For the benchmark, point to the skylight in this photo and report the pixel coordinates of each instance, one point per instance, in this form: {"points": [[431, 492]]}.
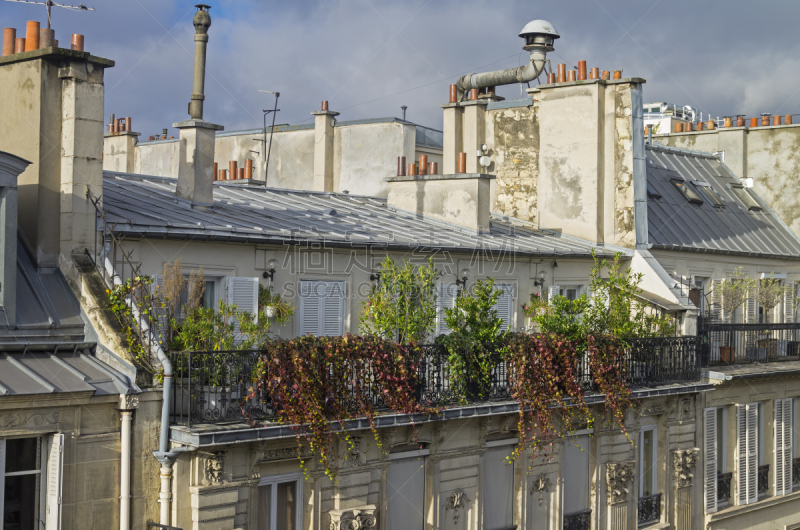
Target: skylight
{"points": [[711, 194], [687, 191], [746, 197], [652, 192]]}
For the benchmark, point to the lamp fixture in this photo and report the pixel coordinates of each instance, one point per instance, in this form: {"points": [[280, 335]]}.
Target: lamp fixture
{"points": [[555, 264], [540, 281], [270, 274], [375, 277], [462, 283]]}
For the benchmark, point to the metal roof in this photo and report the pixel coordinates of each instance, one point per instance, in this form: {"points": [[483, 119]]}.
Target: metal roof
{"points": [[142, 206], [674, 223], [53, 371]]}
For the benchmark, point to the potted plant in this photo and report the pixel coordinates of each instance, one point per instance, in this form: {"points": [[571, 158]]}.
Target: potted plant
{"points": [[274, 306], [733, 293]]}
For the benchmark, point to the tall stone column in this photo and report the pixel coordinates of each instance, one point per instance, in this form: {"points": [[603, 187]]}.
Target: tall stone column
{"points": [[684, 462], [452, 136], [474, 131], [621, 501], [323, 149]]}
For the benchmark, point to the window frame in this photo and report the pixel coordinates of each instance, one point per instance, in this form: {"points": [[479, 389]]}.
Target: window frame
{"points": [[274, 480], [708, 190], [654, 484], [747, 199], [686, 191], [40, 473]]}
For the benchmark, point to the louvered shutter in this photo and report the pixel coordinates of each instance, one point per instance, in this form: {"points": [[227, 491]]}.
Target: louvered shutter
{"points": [[783, 446], [505, 305], [2, 473], [243, 293], [310, 308], [553, 291], [751, 306], [711, 459], [446, 299], [788, 301], [741, 454], [716, 299], [333, 309], [747, 452], [55, 466]]}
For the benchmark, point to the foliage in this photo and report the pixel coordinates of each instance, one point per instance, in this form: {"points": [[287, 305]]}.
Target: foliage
{"points": [[282, 309], [402, 304], [224, 328], [770, 293], [544, 381], [474, 323], [560, 315], [132, 289], [319, 381], [606, 356], [735, 291]]}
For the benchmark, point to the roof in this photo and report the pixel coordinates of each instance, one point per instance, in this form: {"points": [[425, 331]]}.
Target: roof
{"points": [[674, 223], [47, 309], [142, 206], [59, 369]]}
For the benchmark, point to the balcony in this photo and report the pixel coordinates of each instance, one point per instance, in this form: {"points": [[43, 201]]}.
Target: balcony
{"points": [[724, 488], [214, 387], [578, 520], [649, 511], [722, 344]]}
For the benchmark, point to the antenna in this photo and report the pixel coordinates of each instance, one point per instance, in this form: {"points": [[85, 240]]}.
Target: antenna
{"points": [[50, 3], [274, 113]]}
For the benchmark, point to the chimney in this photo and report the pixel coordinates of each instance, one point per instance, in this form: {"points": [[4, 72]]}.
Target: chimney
{"points": [[197, 137], [64, 99], [119, 149], [323, 148], [10, 168]]}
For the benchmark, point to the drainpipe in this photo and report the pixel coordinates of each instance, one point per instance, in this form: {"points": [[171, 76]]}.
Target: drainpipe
{"points": [[125, 471]]}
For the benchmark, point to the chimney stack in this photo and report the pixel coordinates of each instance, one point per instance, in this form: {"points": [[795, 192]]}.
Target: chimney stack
{"points": [[323, 148], [197, 137]]}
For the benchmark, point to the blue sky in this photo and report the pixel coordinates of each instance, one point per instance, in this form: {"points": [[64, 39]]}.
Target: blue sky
{"points": [[369, 57]]}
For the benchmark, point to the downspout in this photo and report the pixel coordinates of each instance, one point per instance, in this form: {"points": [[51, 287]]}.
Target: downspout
{"points": [[125, 471]]}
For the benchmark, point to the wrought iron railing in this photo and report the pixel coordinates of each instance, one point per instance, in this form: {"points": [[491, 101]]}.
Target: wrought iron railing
{"points": [[796, 471], [724, 487], [763, 479], [747, 343], [578, 521], [649, 511], [212, 387]]}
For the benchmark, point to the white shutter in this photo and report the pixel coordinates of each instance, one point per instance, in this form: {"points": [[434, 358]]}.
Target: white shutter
{"points": [[2, 473], [310, 308], [751, 316], [788, 301], [505, 305], [333, 309], [243, 293], [711, 459], [716, 298], [752, 452], [783, 446], [55, 465], [553, 291], [446, 299], [741, 454]]}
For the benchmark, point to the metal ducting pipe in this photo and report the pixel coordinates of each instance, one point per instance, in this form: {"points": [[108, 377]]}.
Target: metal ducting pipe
{"points": [[539, 36]]}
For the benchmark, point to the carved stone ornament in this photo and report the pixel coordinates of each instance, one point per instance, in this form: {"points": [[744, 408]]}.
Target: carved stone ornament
{"points": [[618, 474], [215, 467], [32, 420], [455, 501], [128, 401], [361, 518], [685, 461], [541, 485], [353, 455]]}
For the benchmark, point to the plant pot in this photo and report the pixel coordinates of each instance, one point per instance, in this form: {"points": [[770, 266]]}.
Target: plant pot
{"points": [[269, 311], [727, 353]]}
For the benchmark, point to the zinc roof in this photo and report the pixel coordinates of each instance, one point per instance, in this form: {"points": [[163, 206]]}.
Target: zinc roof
{"points": [[143, 206], [675, 223]]}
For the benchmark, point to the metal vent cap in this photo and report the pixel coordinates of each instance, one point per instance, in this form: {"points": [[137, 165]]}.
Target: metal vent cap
{"points": [[539, 33]]}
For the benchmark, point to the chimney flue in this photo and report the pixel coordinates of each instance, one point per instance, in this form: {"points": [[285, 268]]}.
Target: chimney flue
{"points": [[32, 36], [77, 42], [9, 38], [324, 105], [401, 164], [202, 21]]}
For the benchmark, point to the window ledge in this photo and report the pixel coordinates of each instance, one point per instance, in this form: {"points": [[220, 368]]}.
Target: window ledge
{"points": [[655, 526], [732, 511]]}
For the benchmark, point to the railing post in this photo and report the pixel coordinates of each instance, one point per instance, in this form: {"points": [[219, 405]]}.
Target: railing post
{"points": [[189, 391]]}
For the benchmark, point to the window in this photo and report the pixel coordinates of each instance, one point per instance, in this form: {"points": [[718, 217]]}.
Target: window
{"points": [[505, 305], [576, 474], [30, 473], [570, 292], [208, 299], [687, 191], [711, 194], [647, 461], [746, 197], [783, 446], [715, 447], [406, 500], [446, 299], [747, 451], [322, 308], [652, 192], [280, 502], [498, 486]]}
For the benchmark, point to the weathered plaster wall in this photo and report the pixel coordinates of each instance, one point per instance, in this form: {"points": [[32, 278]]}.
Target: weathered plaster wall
{"points": [[513, 137], [618, 112]]}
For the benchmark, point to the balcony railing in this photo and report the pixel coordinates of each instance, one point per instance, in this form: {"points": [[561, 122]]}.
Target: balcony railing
{"points": [[796, 471], [649, 509], [748, 343], [578, 521], [763, 479], [212, 387], [724, 487]]}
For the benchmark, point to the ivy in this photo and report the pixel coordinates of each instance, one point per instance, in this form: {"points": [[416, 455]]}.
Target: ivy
{"points": [[318, 382]]}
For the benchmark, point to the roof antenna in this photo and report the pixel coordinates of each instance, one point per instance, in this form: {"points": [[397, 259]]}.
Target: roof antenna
{"points": [[50, 3], [274, 112]]}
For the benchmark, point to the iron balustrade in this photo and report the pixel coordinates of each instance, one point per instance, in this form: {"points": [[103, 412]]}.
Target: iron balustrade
{"points": [[578, 521], [649, 510], [763, 479], [724, 487], [217, 386], [747, 343], [796, 471]]}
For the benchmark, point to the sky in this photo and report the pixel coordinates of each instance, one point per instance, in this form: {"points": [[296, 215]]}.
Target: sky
{"points": [[370, 57]]}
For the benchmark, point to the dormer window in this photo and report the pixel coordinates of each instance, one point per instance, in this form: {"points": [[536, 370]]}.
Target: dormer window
{"points": [[746, 197], [711, 194], [686, 190]]}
